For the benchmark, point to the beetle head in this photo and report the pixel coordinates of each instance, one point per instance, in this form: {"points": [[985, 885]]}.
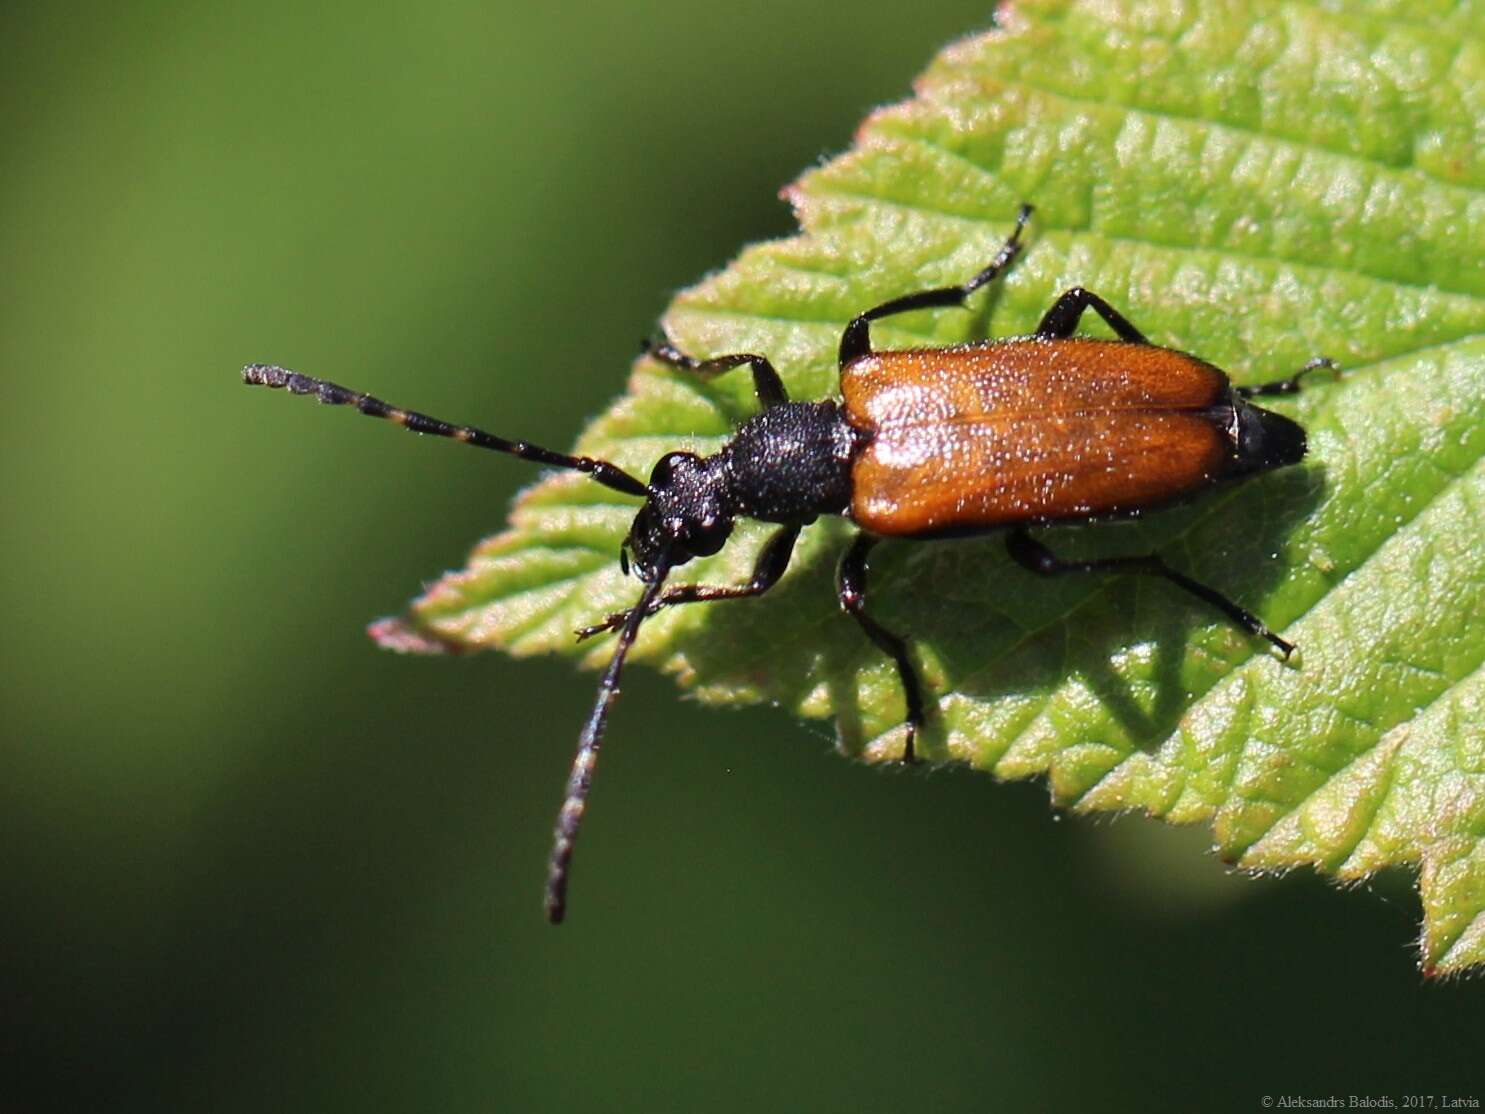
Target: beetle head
{"points": [[686, 515]]}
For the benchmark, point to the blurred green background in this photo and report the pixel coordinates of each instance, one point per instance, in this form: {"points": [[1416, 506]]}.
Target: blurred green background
{"points": [[250, 862]]}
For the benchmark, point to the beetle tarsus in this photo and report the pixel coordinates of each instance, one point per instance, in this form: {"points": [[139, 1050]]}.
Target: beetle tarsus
{"points": [[909, 746], [1031, 554], [613, 622], [855, 342], [766, 382], [1291, 385], [772, 561]]}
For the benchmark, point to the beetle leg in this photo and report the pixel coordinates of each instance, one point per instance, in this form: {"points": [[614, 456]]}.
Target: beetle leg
{"points": [[766, 381], [1033, 555], [1063, 317], [853, 600], [1291, 385], [855, 342], [772, 562]]}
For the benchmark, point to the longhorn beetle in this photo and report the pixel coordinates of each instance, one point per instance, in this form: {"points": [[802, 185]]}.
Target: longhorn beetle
{"points": [[925, 443]]}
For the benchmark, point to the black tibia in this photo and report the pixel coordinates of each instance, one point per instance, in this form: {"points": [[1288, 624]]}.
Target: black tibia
{"points": [[609, 475], [1291, 385], [766, 381], [1062, 319], [575, 798], [1033, 555], [772, 562], [853, 599], [855, 342]]}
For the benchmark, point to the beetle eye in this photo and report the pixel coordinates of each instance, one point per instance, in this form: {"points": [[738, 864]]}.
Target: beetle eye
{"points": [[664, 472]]}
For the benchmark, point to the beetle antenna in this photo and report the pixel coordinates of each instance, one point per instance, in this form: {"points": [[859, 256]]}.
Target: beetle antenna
{"points": [[575, 799], [332, 394]]}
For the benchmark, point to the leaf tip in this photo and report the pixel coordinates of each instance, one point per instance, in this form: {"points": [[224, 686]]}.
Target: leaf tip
{"points": [[395, 633]]}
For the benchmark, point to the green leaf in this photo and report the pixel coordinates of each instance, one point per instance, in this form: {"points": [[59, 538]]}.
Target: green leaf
{"points": [[1254, 181]]}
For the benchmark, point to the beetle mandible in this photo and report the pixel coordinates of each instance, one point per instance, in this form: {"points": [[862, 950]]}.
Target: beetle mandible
{"points": [[1001, 434]]}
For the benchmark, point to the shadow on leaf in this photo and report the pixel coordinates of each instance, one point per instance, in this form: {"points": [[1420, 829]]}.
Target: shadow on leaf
{"points": [[1103, 660]]}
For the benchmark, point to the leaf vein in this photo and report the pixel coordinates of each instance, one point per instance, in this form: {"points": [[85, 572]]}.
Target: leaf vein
{"points": [[1294, 141]]}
